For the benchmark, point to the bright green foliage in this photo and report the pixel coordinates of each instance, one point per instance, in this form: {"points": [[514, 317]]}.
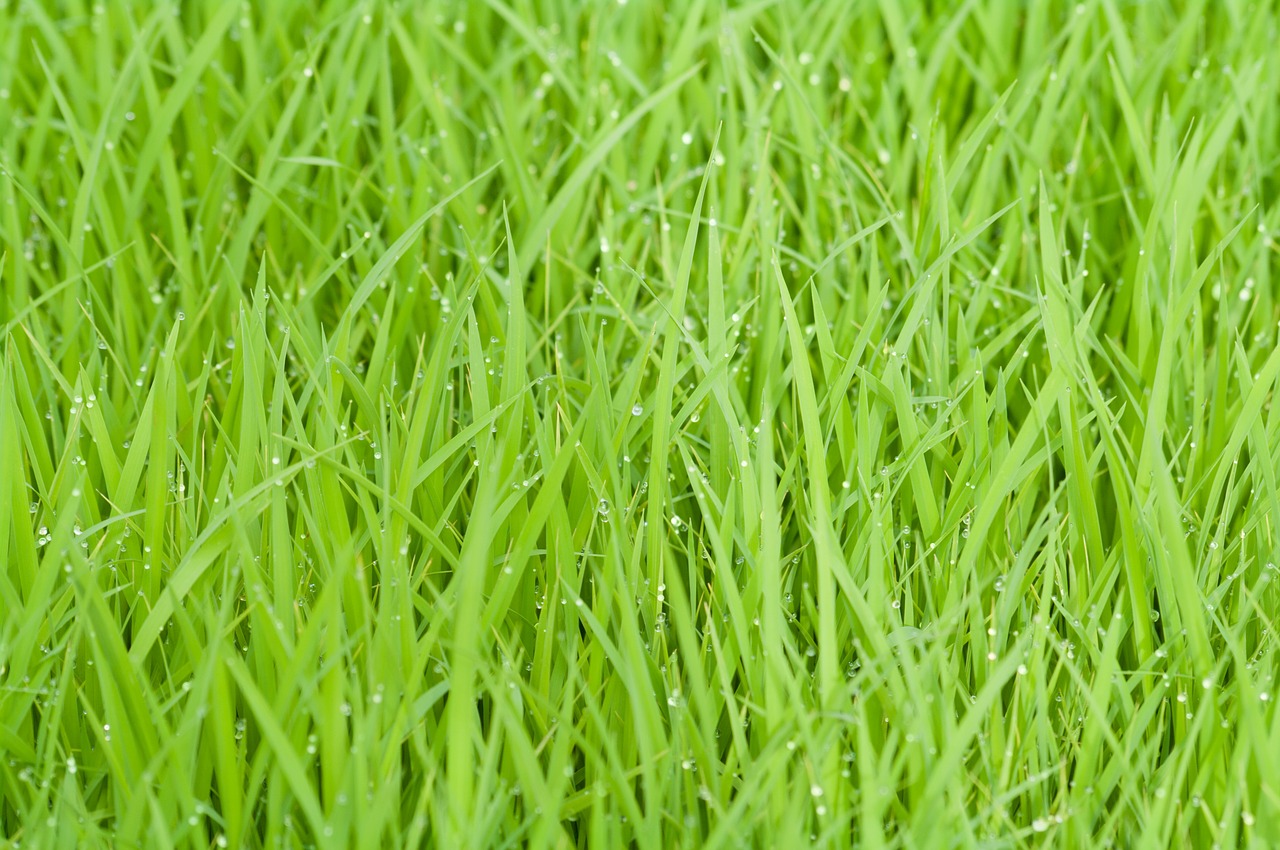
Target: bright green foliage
{"points": [[573, 424]]}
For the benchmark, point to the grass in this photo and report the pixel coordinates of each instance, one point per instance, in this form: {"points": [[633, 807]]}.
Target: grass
{"points": [[526, 423]]}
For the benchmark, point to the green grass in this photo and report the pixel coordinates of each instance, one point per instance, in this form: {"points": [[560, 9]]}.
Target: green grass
{"points": [[533, 423]]}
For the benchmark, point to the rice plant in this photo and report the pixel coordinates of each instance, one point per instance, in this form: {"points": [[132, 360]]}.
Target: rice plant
{"points": [[541, 423]]}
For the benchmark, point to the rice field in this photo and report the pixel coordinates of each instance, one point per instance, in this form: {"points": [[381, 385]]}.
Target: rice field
{"points": [[707, 424]]}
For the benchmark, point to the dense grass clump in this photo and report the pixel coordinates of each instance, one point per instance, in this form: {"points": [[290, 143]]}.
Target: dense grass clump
{"points": [[539, 423]]}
